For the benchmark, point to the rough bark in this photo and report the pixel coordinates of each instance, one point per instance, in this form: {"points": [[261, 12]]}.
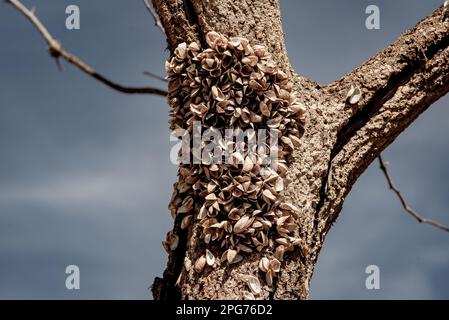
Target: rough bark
{"points": [[340, 139]]}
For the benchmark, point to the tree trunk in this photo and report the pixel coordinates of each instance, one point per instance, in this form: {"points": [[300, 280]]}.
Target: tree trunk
{"points": [[339, 142]]}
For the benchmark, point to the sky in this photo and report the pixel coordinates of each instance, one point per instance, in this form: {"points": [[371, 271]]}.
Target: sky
{"points": [[85, 176]]}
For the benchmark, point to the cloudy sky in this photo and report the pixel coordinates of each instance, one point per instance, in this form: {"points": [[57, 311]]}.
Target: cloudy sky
{"points": [[85, 176]]}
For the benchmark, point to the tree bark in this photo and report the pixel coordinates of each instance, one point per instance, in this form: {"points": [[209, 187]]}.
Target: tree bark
{"points": [[340, 139]]}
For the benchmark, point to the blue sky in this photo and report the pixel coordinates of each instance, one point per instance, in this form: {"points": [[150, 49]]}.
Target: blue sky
{"points": [[85, 176]]}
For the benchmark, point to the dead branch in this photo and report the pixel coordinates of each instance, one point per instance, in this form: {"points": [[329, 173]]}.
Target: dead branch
{"points": [[57, 51], [155, 76], [157, 22], [413, 213]]}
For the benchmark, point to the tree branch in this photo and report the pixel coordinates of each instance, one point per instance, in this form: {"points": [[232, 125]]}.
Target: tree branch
{"points": [[155, 76], [157, 22], [57, 51], [413, 213], [398, 84], [380, 77]]}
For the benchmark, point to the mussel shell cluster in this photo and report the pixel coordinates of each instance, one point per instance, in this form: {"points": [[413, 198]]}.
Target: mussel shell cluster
{"points": [[234, 84]]}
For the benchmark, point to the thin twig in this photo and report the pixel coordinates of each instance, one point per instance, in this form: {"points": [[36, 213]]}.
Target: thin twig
{"points": [[155, 76], [404, 203], [57, 51], [157, 22]]}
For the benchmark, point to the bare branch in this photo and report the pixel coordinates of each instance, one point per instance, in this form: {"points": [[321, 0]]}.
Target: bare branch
{"points": [[157, 22], [413, 213], [155, 76], [57, 51]]}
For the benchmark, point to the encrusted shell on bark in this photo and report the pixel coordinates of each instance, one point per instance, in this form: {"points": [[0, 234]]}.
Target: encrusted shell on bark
{"points": [[200, 264], [254, 285], [354, 95], [235, 84], [210, 258]]}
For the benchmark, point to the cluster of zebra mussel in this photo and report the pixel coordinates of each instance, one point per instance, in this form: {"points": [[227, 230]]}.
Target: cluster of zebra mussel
{"points": [[233, 84]]}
